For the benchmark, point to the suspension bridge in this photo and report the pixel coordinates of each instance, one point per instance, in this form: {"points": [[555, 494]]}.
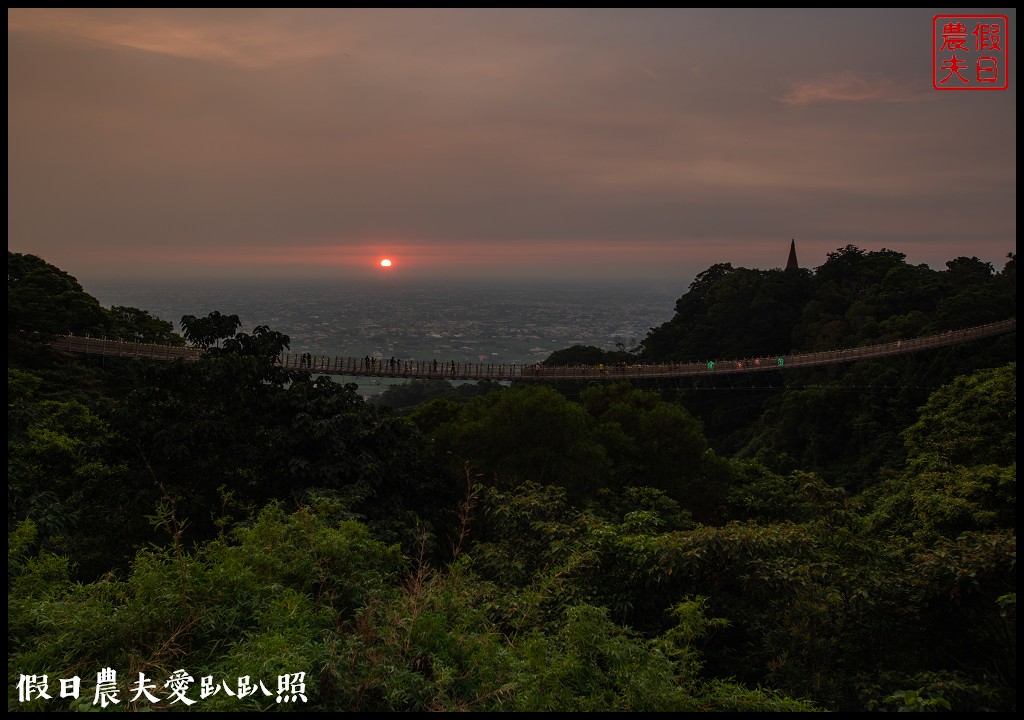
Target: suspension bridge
{"points": [[537, 372]]}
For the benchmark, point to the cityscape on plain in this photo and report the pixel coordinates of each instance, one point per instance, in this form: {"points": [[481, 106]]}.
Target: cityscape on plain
{"points": [[464, 321]]}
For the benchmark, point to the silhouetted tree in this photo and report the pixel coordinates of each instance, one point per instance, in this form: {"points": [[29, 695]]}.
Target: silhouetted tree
{"points": [[43, 298], [210, 330]]}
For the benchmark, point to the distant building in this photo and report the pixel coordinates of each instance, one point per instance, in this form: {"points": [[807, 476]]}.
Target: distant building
{"points": [[792, 264]]}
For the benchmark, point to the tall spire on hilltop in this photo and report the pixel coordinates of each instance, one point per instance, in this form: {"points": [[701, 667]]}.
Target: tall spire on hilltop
{"points": [[792, 264]]}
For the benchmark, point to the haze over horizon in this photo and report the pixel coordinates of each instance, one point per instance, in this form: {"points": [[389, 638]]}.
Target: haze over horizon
{"points": [[525, 144]]}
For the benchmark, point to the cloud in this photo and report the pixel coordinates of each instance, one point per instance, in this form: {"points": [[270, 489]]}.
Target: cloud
{"points": [[285, 138], [252, 39], [850, 87]]}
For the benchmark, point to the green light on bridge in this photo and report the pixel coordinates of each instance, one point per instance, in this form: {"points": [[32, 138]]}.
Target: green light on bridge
{"points": [[781, 362], [711, 364]]}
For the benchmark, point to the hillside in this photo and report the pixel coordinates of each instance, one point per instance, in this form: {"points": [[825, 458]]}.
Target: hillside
{"points": [[229, 535]]}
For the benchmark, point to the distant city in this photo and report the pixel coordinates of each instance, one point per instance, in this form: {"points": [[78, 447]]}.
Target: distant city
{"points": [[466, 321]]}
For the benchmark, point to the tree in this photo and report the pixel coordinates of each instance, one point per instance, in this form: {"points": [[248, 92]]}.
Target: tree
{"points": [[528, 433], [577, 355], [413, 394], [128, 323], [64, 474], [236, 422], [856, 271], [591, 355], [732, 312], [656, 444], [969, 421], [314, 594], [208, 331], [44, 299], [969, 271]]}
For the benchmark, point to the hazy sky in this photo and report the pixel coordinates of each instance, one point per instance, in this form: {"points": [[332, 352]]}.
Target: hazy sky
{"points": [[522, 143]]}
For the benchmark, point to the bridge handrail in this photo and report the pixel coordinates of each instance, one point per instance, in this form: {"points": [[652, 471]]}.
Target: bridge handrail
{"points": [[454, 370]]}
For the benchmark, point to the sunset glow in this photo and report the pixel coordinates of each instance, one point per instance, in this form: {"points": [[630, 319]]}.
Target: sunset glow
{"points": [[635, 144], [385, 263]]}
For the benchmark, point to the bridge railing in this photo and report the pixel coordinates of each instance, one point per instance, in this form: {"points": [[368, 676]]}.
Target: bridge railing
{"points": [[895, 347], [114, 347], [454, 370], [380, 367]]}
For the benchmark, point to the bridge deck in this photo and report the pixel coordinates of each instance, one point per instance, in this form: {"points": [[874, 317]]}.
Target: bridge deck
{"points": [[425, 369]]}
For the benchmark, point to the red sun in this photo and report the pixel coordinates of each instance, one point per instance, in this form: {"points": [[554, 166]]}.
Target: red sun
{"points": [[385, 263]]}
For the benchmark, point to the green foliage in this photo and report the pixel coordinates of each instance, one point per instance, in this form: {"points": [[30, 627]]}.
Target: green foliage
{"points": [[855, 272], [528, 433], [545, 555], [927, 504], [917, 701], [44, 299], [404, 399], [969, 421], [259, 603], [761, 495], [413, 394], [210, 330], [961, 471], [843, 421], [616, 438], [128, 323], [235, 420], [646, 505], [21, 386], [448, 657], [305, 593], [588, 355], [959, 595], [603, 557], [656, 444], [64, 475], [262, 344], [479, 637], [731, 312]]}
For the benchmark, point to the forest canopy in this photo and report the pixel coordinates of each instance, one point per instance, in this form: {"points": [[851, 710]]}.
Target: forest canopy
{"points": [[231, 535]]}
